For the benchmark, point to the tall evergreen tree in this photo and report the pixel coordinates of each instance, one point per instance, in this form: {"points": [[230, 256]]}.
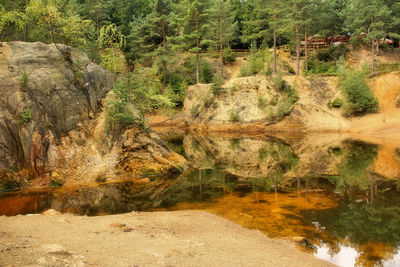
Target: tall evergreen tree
{"points": [[151, 34], [221, 27], [189, 20], [294, 16]]}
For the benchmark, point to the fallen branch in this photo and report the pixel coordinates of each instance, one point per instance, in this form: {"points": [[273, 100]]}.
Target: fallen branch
{"points": [[156, 124]]}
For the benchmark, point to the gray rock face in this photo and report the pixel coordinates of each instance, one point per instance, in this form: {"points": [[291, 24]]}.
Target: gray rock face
{"points": [[42, 97]]}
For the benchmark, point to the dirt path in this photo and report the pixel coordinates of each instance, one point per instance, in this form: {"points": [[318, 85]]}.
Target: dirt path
{"points": [[385, 124], [183, 238]]}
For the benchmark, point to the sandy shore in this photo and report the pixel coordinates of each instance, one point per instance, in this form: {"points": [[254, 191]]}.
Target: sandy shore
{"points": [[183, 238]]}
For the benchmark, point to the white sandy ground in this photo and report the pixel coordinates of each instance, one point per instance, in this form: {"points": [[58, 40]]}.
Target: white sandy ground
{"points": [[182, 238]]}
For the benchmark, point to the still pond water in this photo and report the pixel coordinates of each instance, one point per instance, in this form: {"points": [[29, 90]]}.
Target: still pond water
{"points": [[342, 196]]}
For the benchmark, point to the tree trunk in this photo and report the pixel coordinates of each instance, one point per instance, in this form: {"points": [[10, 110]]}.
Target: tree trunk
{"points": [[297, 49], [200, 185], [274, 40], [221, 48], [305, 52], [377, 47], [197, 44], [373, 56], [164, 62]]}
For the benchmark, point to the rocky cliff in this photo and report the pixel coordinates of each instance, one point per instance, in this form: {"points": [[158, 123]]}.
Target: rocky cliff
{"points": [[51, 120], [260, 104]]}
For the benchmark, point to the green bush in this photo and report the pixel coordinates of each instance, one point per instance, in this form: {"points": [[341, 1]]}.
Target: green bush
{"points": [[336, 103], [133, 96], [234, 115], [233, 89], [317, 66], [228, 56], [262, 102], [358, 94], [256, 63], [56, 182], [216, 88], [273, 101], [284, 108], [291, 94], [24, 79], [206, 74], [244, 71], [26, 116], [384, 47], [278, 83]]}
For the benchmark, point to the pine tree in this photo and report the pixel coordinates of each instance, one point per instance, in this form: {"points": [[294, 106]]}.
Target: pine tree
{"points": [[151, 33], [294, 16], [221, 27], [189, 20]]}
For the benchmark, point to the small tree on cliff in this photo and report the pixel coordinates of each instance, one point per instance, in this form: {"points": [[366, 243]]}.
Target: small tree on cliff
{"points": [[60, 27], [10, 21]]}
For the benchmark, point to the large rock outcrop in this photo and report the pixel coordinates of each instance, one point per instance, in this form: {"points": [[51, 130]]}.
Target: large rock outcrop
{"points": [[52, 125], [42, 94]]}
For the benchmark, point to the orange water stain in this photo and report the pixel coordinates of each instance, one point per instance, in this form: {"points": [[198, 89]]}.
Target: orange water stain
{"points": [[277, 215]]}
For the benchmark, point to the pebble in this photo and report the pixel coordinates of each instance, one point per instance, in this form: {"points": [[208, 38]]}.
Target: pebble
{"points": [[51, 212], [55, 249]]}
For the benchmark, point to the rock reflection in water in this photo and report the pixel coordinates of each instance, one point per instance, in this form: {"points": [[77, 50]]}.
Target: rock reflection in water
{"points": [[341, 195], [98, 199]]}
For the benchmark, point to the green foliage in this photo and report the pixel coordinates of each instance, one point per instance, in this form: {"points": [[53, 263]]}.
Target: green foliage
{"points": [[112, 61], [206, 73], [112, 41], [110, 37], [56, 182], [234, 115], [279, 156], [358, 94], [262, 103], [387, 67], [228, 56], [282, 86], [316, 66], [10, 21], [284, 108], [256, 63], [336, 103], [26, 116], [216, 89], [233, 89], [355, 166], [177, 95], [235, 144], [135, 94], [278, 83], [59, 26], [24, 79]]}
